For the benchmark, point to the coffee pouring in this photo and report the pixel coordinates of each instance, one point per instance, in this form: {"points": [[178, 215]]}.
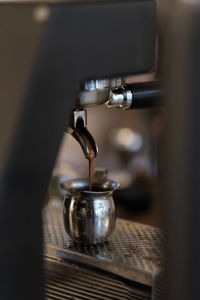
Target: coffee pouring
{"points": [[89, 215]]}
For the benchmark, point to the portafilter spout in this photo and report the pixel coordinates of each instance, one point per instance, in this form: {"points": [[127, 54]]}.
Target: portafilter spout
{"points": [[78, 129]]}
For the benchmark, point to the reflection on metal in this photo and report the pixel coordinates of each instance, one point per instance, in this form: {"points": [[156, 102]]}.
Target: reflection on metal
{"points": [[96, 92], [137, 95], [89, 216], [121, 98], [79, 114], [134, 251]]}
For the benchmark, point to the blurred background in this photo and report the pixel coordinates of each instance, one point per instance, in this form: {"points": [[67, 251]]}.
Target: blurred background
{"points": [[39, 68]]}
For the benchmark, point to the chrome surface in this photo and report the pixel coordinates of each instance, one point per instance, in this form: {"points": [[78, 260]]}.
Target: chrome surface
{"points": [[101, 84], [115, 83], [78, 129], [121, 98], [89, 216], [138, 95], [128, 100], [80, 113], [116, 99], [134, 251], [96, 92]]}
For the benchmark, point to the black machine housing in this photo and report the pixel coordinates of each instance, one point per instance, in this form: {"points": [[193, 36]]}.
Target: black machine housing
{"points": [[43, 61]]}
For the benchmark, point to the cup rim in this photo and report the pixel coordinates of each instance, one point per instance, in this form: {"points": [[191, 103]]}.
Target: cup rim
{"points": [[81, 185]]}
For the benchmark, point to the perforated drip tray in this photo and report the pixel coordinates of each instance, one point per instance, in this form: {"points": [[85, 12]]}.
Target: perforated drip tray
{"points": [[133, 252]]}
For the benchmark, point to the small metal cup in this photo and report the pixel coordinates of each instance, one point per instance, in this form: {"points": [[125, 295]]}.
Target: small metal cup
{"points": [[89, 216]]}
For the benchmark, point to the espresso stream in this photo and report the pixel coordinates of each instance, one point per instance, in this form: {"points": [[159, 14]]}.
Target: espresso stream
{"points": [[90, 156], [90, 173], [89, 145]]}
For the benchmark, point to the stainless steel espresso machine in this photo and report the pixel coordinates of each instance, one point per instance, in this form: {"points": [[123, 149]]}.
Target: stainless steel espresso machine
{"points": [[57, 59]]}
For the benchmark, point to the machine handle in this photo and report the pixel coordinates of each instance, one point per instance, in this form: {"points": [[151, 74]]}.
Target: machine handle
{"points": [[138, 95], [146, 95]]}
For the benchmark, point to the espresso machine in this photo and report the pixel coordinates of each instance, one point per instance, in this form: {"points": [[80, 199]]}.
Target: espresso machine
{"points": [[57, 59]]}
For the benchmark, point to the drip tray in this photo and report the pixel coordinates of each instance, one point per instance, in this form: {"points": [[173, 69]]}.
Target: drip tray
{"points": [[134, 250], [64, 281]]}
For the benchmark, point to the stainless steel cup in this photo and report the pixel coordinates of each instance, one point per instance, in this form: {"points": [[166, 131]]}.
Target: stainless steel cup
{"points": [[89, 216]]}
